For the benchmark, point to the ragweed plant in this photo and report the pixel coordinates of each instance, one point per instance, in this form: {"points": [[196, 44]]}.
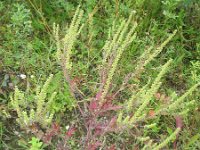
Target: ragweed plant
{"points": [[41, 113], [114, 47], [132, 114], [65, 45], [132, 111]]}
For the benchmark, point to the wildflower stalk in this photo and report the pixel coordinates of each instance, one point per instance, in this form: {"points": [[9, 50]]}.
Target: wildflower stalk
{"points": [[40, 113], [167, 140], [42, 95], [180, 99], [120, 41], [149, 94], [65, 46]]}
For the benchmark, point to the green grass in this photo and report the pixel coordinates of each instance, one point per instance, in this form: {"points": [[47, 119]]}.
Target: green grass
{"points": [[27, 46]]}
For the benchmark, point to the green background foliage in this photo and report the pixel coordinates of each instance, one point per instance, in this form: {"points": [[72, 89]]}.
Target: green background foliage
{"points": [[28, 47]]}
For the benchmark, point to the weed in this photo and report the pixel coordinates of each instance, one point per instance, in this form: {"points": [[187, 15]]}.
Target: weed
{"points": [[113, 97]]}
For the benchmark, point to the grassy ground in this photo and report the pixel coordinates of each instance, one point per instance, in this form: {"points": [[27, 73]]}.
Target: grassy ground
{"points": [[27, 47]]}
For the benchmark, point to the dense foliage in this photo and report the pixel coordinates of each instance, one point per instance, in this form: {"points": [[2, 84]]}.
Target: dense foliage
{"points": [[99, 74]]}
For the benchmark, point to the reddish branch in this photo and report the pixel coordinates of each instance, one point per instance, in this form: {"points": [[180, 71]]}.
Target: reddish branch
{"points": [[179, 124]]}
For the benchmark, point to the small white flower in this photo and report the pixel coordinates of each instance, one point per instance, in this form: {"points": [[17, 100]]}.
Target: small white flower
{"points": [[22, 76], [32, 76], [67, 127]]}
